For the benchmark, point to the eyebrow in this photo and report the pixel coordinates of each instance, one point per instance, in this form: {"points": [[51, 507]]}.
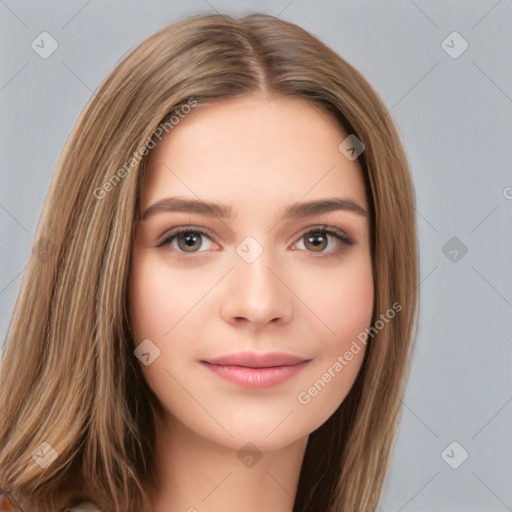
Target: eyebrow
{"points": [[296, 210]]}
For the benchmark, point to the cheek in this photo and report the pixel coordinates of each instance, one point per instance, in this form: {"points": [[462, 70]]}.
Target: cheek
{"points": [[160, 297], [159, 301], [344, 302]]}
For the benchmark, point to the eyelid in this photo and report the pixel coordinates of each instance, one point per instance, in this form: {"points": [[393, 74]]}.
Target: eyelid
{"points": [[339, 234], [332, 230], [176, 230]]}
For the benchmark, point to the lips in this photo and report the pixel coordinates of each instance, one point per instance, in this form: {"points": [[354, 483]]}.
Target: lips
{"points": [[257, 360], [257, 370]]}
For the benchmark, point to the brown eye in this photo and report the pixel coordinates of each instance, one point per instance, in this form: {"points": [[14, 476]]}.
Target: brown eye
{"points": [[189, 241], [316, 241], [325, 241]]}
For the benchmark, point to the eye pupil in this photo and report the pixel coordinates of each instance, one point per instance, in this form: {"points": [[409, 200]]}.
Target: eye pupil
{"points": [[318, 240], [190, 240]]}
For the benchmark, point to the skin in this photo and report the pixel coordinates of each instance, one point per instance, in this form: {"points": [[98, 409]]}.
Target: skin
{"points": [[257, 154]]}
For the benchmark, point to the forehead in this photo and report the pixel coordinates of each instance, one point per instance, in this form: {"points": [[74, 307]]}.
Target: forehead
{"points": [[253, 152]]}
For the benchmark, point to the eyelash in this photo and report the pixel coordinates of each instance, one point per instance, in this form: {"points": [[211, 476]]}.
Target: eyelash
{"points": [[321, 229]]}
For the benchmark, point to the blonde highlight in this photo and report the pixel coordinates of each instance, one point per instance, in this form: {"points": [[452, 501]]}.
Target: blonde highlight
{"points": [[68, 375]]}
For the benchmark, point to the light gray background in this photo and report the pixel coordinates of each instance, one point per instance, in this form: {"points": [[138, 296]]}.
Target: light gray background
{"points": [[455, 116]]}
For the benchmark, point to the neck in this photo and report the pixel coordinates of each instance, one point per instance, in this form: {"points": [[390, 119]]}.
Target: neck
{"points": [[199, 475]]}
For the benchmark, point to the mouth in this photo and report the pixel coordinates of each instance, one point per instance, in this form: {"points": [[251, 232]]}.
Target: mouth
{"points": [[257, 370]]}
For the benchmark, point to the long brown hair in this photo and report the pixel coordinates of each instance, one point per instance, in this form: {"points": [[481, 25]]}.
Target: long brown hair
{"points": [[69, 377]]}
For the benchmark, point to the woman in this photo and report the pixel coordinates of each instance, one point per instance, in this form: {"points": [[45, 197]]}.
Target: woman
{"points": [[219, 308]]}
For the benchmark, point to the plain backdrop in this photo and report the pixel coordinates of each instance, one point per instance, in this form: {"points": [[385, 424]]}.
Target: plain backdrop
{"points": [[443, 69]]}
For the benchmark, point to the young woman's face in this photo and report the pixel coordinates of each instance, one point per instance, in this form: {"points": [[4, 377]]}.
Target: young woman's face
{"points": [[250, 300]]}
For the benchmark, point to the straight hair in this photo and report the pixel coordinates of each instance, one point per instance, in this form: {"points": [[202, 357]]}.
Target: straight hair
{"points": [[69, 377]]}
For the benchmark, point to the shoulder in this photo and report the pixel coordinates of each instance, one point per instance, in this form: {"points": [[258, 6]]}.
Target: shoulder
{"points": [[8, 503]]}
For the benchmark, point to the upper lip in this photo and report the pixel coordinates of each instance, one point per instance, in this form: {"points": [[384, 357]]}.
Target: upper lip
{"points": [[257, 359]]}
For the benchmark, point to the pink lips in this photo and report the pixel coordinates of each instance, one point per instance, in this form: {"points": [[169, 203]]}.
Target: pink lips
{"points": [[256, 370]]}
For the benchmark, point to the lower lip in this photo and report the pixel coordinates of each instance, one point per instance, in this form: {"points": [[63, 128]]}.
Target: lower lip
{"points": [[256, 378]]}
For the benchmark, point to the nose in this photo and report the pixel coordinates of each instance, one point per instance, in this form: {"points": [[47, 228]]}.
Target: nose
{"points": [[256, 293]]}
